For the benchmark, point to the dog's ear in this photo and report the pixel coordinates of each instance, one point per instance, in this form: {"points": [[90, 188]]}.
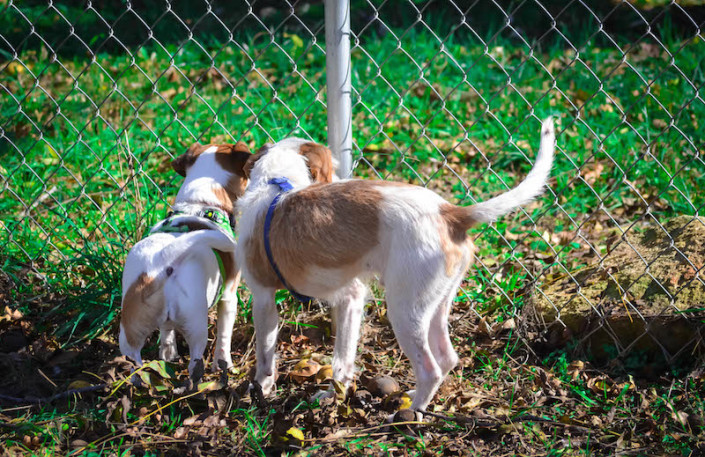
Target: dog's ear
{"points": [[233, 157], [320, 162], [241, 154], [182, 163], [254, 158]]}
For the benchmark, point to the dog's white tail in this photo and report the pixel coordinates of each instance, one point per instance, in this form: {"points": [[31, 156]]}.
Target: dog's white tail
{"points": [[531, 187], [175, 253], [180, 248]]}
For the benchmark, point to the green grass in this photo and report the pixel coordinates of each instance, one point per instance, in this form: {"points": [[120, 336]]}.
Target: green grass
{"points": [[82, 183], [95, 178]]}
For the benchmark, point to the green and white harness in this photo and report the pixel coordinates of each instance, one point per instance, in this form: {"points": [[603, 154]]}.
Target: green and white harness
{"points": [[175, 222]]}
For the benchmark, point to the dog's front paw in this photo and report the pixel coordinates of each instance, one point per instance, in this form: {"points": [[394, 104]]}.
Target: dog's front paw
{"points": [[196, 370], [255, 391]]}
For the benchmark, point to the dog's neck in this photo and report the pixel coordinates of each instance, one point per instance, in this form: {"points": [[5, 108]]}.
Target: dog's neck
{"points": [[254, 203], [279, 162], [207, 184]]}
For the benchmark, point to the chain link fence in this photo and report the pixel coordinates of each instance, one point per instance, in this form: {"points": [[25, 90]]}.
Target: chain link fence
{"points": [[97, 97]]}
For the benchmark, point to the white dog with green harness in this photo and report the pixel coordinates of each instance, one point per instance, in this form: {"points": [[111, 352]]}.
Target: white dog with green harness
{"points": [[187, 263]]}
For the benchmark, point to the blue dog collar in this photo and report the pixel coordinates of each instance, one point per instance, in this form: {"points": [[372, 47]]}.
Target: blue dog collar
{"points": [[284, 186]]}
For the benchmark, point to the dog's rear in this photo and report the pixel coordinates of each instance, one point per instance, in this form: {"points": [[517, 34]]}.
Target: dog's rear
{"points": [[144, 307]]}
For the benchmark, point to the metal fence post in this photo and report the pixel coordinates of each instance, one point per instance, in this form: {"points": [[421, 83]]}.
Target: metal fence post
{"points": [[337, 17]]}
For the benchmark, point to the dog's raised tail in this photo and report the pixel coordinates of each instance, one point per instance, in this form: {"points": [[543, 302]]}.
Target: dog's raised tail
{"points": [[531, 187]]}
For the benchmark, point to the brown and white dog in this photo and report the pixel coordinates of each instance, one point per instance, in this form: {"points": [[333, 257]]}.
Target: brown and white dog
{"points": [[173, 276], [328, 239]]}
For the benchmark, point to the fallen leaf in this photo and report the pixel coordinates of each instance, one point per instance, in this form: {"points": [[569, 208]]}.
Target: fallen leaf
{"points": [[324, 374], [304, 370], [79, 384], [296, 435]]}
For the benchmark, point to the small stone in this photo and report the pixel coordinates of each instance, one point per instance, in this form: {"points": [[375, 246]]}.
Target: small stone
{"points": [[76, 444], [381, 386], [405, 415]]}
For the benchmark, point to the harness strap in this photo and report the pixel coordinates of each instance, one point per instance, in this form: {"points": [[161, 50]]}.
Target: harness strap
{"points": [[284, 187]]}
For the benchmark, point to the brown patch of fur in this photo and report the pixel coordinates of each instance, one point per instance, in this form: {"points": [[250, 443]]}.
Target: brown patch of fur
{"points": [[328, 226], [235, 282], [232, 273], [226, 199], [233, 158], [453, 226], [140, 310], [458, 219], [320, 162], [257, 258], [318, 157], [182, 163]]}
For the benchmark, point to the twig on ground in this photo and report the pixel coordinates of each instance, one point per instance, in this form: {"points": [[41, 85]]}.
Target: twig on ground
{"points": [[462, 419], [364, 432], [68, 393]]}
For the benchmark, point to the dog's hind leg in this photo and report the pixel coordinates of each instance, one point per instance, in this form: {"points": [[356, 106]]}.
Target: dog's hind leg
{"points": [[438, 336], [348, 317], [347, 306], [195, 331], [266, 319], [410, 324], [227, 312], [439, 339]]}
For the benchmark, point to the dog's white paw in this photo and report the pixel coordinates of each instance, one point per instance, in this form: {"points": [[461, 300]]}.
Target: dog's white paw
{"points": [[323, 394], [168, 352]]}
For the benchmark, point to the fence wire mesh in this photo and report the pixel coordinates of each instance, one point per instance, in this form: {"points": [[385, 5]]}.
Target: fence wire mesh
{"points": [[97, 98]]}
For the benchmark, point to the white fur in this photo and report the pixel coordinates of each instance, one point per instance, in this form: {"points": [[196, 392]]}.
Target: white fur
{"points": [[202, 176], [195, 275], [408, 258]]}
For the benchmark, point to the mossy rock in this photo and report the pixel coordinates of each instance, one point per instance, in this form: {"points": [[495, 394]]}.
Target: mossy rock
{"points": [[645, 296]]}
